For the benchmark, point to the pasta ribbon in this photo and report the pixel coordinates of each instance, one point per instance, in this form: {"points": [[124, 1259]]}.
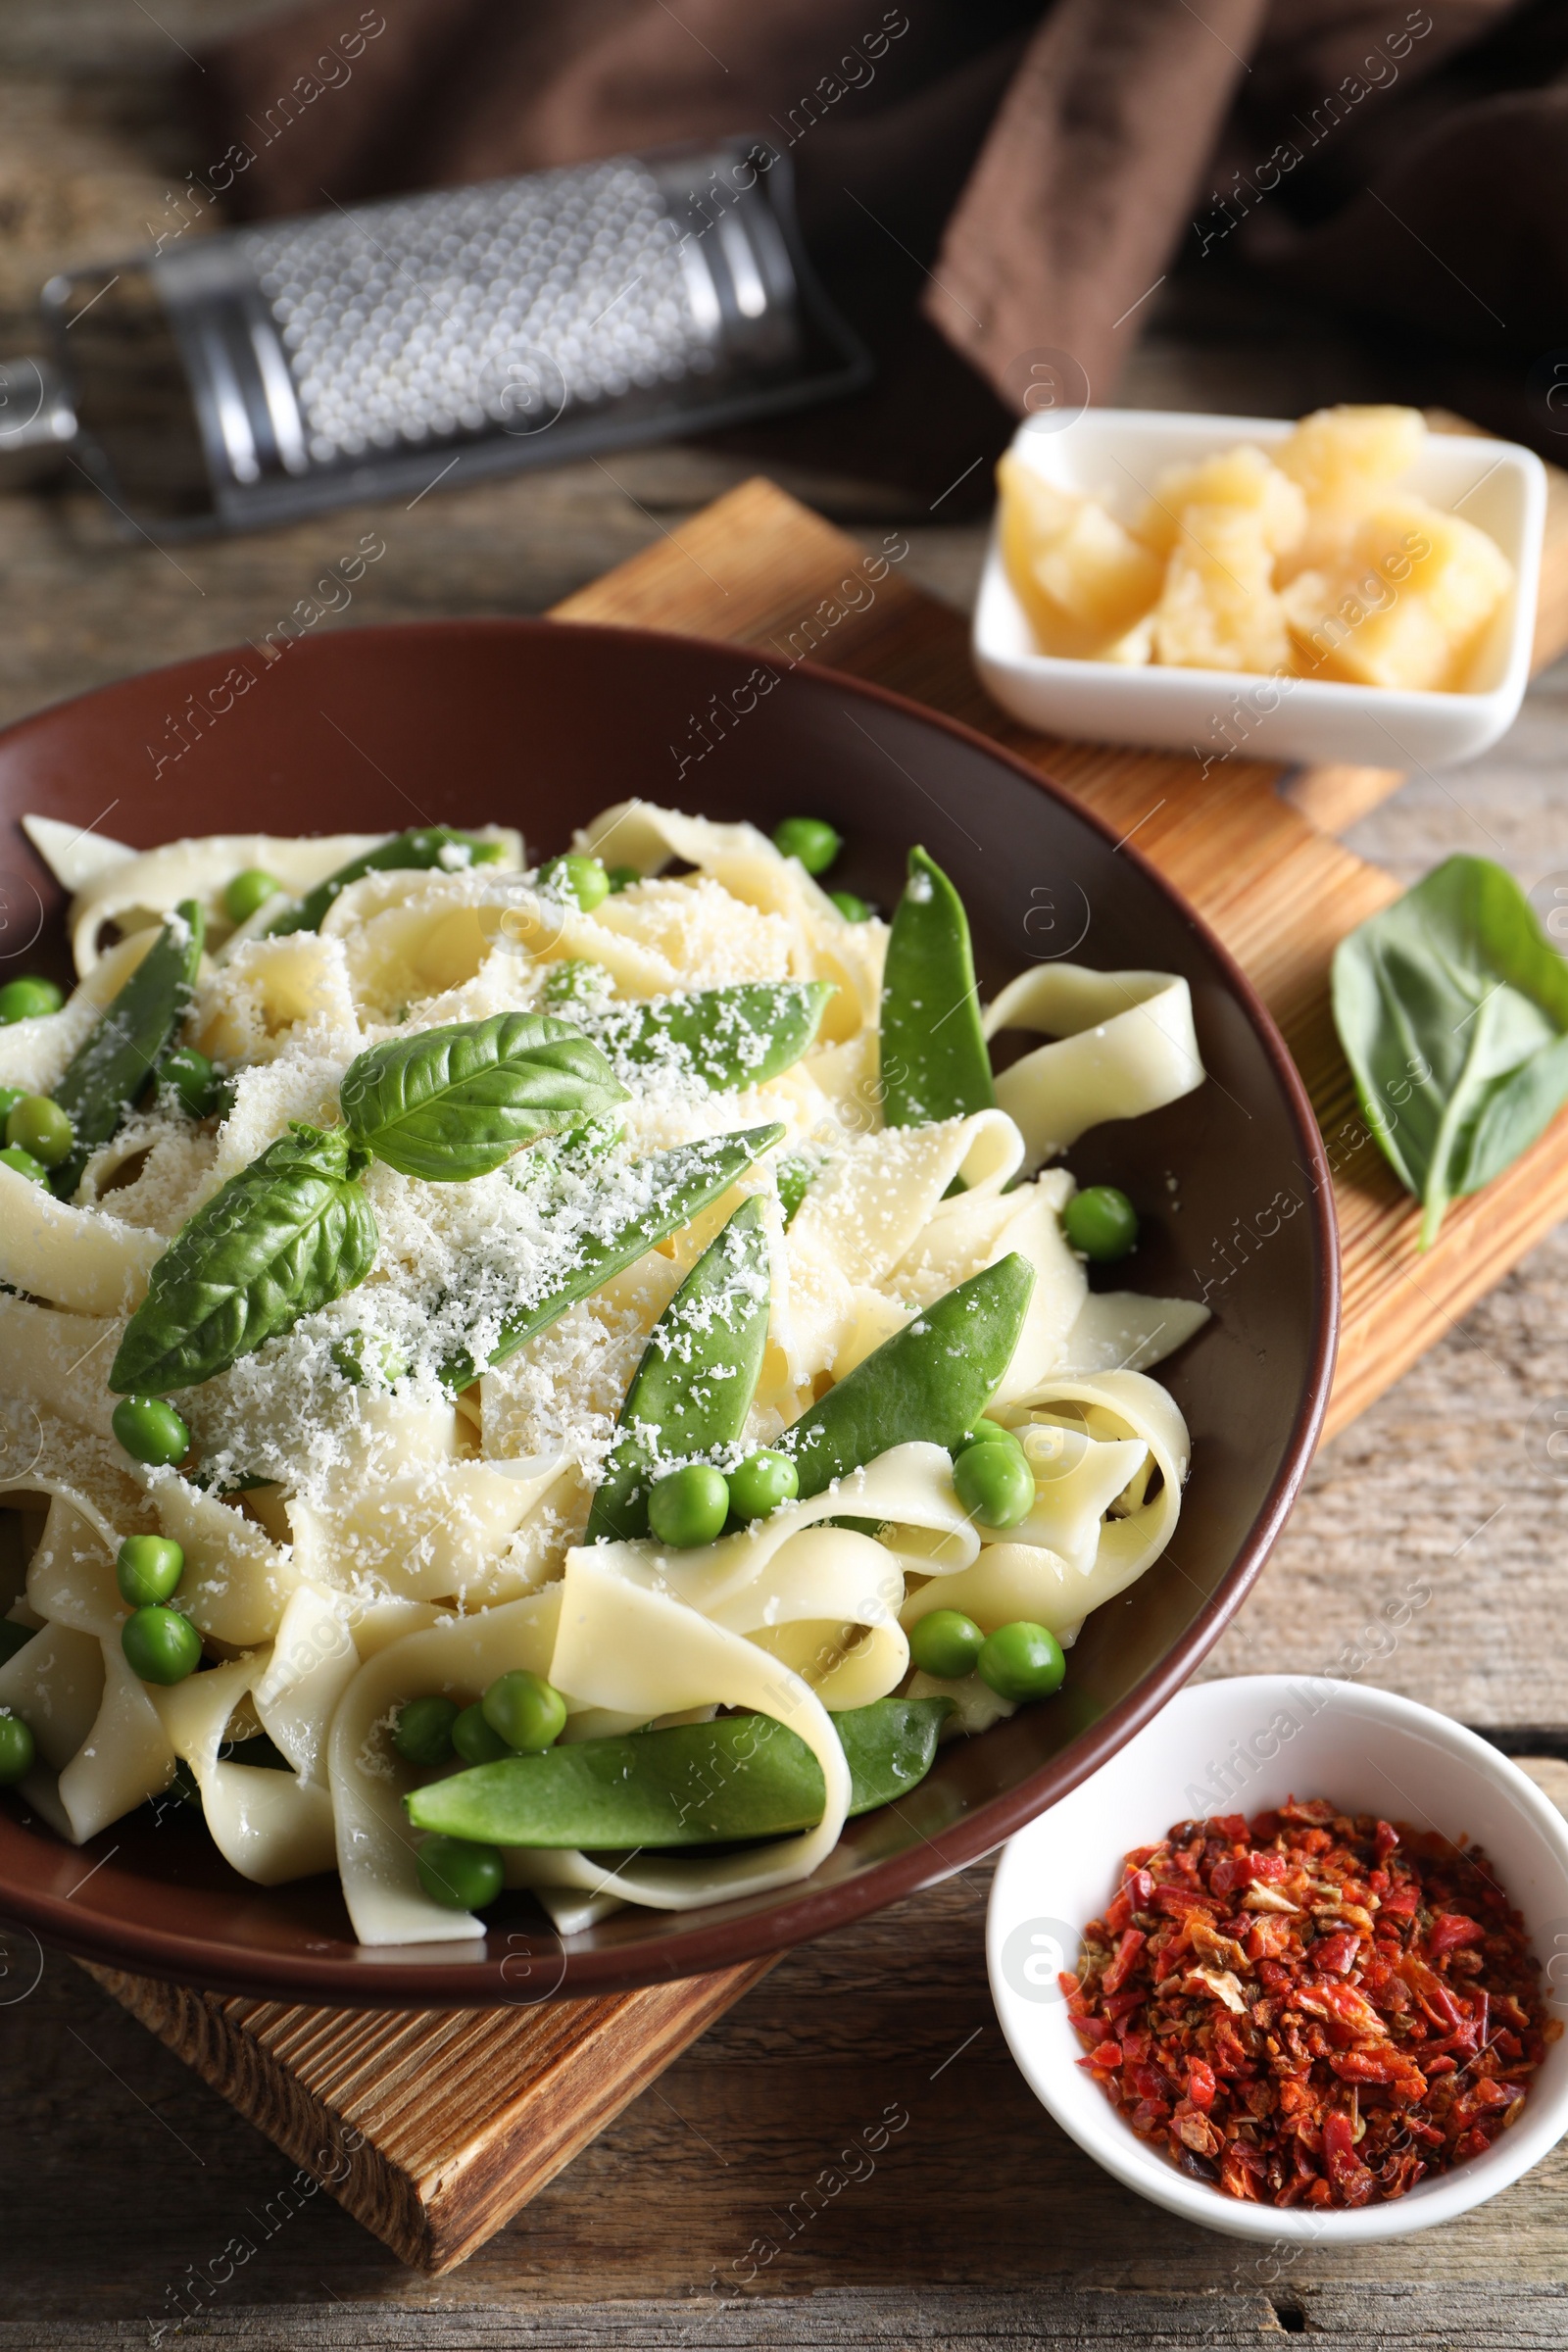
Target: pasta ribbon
{"points": [[1124, 1045], [270, 1825], [79, 1259]]}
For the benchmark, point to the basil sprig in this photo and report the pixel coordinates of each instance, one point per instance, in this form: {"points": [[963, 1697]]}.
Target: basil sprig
{"points": [[285, 1235], [452, 1104], [1452, 1008]]}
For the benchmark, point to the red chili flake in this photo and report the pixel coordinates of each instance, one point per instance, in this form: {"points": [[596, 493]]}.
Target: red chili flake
{"points": [[1115, 1975], [1449, 1931], [1337, 1953], [1360, 2060], [1200, 2084]]}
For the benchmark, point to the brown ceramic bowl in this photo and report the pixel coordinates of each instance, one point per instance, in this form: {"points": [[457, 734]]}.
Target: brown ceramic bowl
{"points": [[539, 724]]}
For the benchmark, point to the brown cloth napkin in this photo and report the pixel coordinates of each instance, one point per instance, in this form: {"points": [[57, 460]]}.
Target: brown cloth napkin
{"points": [[1028, 177]]}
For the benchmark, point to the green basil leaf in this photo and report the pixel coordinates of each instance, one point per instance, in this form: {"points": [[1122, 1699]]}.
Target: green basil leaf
{"points": [[726, 1038], [669, 1190], [285, 1235], [452, 1104], [428, 846], [1514, 1111], [131, 1043], [1450, 1005]]}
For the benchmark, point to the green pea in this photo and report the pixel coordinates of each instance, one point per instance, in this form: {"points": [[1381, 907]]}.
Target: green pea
{"points": [[984, 1432], [994, 1484], [690, 1506], [461, 1876], [810, 839], [247, 890], [370, 1359], [1102, 1222], [758, 1484], [578, 981], [12, 1157], [150, 1430], [1022, 1661], [148, 1569], [423, 1733], [160, 1644], [194, 1081], [16, 1749], [526, 1711], [10, 1096], [852, 910], [946, 1643], [474, 1741], [26, 999], [37, 1125], [622, 877], [581, 879]]}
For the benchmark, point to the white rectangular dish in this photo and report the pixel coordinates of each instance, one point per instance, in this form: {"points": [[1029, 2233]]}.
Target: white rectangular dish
{"points": [[1117, 455]]}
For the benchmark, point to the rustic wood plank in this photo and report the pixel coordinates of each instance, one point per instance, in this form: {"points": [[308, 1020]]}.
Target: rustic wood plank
{"points": [[1500, 2319], [1335, 795], [432, 2127]]}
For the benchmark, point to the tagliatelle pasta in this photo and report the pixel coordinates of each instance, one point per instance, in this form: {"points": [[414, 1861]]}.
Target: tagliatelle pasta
{"points": [[390, 1481]]}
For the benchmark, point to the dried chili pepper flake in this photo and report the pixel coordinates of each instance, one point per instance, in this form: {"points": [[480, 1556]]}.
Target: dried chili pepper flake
{"points": [[1201, 2084], [1120, 1968], [1287, 1968], [1337, 1953], [1451, 1931]]}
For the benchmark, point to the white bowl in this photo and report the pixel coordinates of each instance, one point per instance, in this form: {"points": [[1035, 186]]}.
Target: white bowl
{"points": [[1117, 455], [1369, 1752]]}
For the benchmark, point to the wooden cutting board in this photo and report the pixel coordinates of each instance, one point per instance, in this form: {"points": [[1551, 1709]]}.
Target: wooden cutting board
{"points": [[432, 2129]]}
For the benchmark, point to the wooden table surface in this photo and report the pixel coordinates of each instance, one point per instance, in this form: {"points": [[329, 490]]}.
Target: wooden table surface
{"points": [[134, 2203]]}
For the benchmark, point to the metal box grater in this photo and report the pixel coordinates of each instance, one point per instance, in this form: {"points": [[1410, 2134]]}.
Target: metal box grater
{"points": [[267, 372]]}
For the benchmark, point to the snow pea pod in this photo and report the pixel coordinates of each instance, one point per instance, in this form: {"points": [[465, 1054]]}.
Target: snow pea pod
{"points": [[932, 1380], [427, 846], [131, 1043], [624, 1217], [693, 1389], [726, 1037], [693, 1784], [935, 1064]]}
